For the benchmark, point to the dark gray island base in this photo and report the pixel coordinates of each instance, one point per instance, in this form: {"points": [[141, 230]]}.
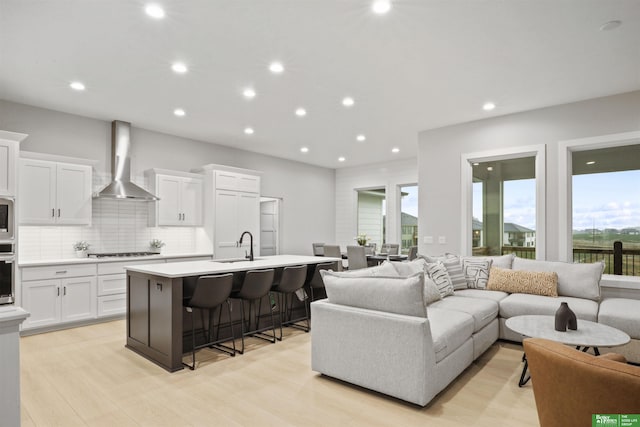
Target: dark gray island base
{"points": [[155, 326]]}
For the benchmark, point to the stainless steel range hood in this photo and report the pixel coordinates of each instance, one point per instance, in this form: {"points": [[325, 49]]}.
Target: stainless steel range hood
{"points": [[121, 187]]}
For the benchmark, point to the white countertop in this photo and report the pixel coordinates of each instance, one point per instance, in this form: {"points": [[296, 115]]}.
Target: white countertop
{"points": [[12, 313], [198, 268], [35, 263]]}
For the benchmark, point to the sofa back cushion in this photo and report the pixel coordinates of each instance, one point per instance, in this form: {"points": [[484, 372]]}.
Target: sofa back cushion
{"points": [[574, 280], [385, 269], [400, 295], [501, 261], [523, 282]]}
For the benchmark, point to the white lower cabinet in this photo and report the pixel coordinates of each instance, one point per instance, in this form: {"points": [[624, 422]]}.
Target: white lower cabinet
{"points": [[55, 301]]}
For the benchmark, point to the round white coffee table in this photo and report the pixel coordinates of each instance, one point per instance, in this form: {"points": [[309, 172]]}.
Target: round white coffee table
{"points": [[589, 334]]}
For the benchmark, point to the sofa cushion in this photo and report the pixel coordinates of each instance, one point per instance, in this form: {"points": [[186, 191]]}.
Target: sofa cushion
{"points": [[523, 282], [482, 293], [476, 272], [501, 261], [574, 280], [385, 269], [449, 330], [400, 295], [408, 268], [523, 304], [404, 269], [621, 313], [483, 311], [438, 273], [453, 264]]}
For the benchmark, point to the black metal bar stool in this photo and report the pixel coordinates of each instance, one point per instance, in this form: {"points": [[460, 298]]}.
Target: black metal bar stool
{"points": [[256, 285], [292, 280], [316, 281], [209, 294]]}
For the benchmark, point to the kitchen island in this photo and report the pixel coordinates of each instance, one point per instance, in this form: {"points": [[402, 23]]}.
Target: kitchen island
{"points": [[155, 328]]}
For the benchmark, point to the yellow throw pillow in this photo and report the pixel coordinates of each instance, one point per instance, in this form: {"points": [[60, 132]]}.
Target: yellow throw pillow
{"points": [[523, 282]]}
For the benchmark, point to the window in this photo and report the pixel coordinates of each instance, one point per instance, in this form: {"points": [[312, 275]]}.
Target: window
{"points": [[408, 217], [371, 213], [504, 207], [606, 208], [503, 202]]}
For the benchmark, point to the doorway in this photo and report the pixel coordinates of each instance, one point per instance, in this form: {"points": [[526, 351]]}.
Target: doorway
{"points": [[270, 225]]}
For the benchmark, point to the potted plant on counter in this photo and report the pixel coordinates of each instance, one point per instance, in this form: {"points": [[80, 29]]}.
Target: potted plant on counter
{"points": [[81, 248], [156, 245]]}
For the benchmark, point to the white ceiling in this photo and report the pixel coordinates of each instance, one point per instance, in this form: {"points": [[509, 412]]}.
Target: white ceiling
{"points": [[426, 64]]}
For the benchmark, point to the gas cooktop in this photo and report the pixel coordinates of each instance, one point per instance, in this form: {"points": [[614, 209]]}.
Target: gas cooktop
{"points": [[120, 254]]}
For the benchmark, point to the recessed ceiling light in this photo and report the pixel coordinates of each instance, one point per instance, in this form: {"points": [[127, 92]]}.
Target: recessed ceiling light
{"points": [[611, 25], [361, 137], [348, 101], [381, 7], [489, 168], [395, 150], [488, 106], [248, 131], [276, 67], [179, 67], [77, 86], [591, 162], [304, 150], [476, 164], [301, 112], [154, 11], [341, 159], [179, 112], [249, 93]]}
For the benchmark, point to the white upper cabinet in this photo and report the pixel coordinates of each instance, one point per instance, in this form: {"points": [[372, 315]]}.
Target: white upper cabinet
{"points": [[9, 146], [180, 197], [54, 193]]}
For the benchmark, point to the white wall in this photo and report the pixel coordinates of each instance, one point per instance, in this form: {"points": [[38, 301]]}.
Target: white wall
{"points": [[306, 191], [390, 176], [439, 152]]}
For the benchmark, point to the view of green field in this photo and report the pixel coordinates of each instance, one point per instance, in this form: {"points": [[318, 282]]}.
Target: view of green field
{"points": [[604, 240]]}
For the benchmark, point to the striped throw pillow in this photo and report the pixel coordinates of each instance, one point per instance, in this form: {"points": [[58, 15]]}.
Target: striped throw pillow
{"points": [[476, 272], [438, 273], [454, 267]]}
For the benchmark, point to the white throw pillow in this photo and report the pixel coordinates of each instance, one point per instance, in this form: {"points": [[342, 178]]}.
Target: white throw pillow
{"points": [[438, 273], [431, 291], [476, 271], [400, 295]]}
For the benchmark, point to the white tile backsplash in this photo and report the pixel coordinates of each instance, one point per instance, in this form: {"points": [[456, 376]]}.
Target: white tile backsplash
{"points": [[117, 226]]}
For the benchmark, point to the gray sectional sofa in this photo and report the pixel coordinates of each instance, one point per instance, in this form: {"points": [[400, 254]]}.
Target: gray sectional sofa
{"points": [[381, 331]]}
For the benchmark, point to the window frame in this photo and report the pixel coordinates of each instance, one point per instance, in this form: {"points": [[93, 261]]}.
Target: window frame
{"points": [[466, 182], [566, 149]]}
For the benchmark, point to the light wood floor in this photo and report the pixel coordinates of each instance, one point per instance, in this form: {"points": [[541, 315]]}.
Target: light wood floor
{"points": [[85, 376]]}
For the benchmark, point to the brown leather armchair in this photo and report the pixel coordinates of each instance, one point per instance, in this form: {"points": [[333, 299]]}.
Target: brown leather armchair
{"points": [[569, 385]]}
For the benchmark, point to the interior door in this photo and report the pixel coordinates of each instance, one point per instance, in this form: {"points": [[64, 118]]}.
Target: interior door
{"points": [[269, 227]]}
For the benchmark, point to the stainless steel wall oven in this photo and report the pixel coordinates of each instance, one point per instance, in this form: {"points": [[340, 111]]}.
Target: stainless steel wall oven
{"points": [[7, 273]]}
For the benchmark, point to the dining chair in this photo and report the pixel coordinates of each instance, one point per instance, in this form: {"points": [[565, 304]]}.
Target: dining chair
{"points": [[390, 248], [318, 249], [357, 258], [413, 253], [334, 252]]}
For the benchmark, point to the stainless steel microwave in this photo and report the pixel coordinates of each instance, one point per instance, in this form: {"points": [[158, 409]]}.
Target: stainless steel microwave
{"points": [[6, 218]]}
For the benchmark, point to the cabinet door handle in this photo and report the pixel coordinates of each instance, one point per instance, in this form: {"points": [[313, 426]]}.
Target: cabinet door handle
{"points": [[61, 272], [159, 287], [58, 213], [183, 215], [65, 291], [58, 288], [53, 212]]}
